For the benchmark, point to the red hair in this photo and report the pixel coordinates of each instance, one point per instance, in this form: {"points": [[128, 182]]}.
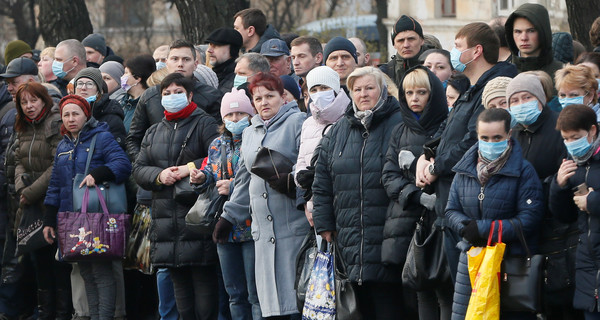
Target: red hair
{"points": [[267, 80], [34, 89]]}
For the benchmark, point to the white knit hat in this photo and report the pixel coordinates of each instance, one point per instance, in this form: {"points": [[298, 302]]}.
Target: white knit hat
{"points": [[323, 76]]}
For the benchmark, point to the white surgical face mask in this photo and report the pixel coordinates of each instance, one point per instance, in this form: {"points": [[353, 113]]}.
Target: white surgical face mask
{"points": [[322, 99]]}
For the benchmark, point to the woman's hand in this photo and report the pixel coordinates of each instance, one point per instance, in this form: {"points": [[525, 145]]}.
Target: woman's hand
{"points": [[49, 234], [223, 187], [88, 180], [422, 164], [328, 235], [309, 216], [169, 176], [581, 201], [567, 169], [182, 171], [197, 176], [23, 200]]}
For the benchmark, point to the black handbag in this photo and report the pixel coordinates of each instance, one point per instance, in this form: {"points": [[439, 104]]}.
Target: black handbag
{"points": [[184, 193], [29, 232], [270, 163], [425, 265], [305, 261], [346, 301], [521, 279], [114, 194]]}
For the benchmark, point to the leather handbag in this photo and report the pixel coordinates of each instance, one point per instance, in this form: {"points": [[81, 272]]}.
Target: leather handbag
{"points": [[305, 260], [270, 163], [425, 265], [521, 279], [86, 236], [346, 301], [113, 193], [184, 193]]}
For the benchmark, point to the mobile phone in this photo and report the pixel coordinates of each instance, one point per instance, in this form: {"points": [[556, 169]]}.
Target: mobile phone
{"points": [[581, 189]]}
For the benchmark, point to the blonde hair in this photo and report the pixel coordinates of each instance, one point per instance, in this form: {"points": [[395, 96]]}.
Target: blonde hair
{"points": [[579, 76], [49, 51], [366, 71], [546, 81], [417, 78], [391, 87], [156, 77]]}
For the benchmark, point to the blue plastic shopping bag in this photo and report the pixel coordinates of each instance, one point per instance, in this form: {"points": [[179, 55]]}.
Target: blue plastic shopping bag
{"points": [[320, 294]]}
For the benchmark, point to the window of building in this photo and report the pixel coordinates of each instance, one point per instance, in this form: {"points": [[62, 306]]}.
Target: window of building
{"points": [[448, 8], [505, 7]]}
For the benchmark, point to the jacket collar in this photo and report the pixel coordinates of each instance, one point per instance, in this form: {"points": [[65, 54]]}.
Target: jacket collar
{"points": [[468, 164], [285, 111]]}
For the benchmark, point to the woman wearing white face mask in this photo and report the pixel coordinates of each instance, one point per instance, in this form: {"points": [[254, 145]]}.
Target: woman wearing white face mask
{"points": [[577, 85], [327, 104], [183, 136]]}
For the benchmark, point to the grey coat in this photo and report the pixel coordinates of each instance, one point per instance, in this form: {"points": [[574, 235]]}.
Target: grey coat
{"points": [[278, 228]]}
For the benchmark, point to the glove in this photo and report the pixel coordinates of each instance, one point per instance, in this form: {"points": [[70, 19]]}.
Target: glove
{"points": [[405, 159], [222, 230], [305, 177], [284, 184], [427, 200], [471, 233]]}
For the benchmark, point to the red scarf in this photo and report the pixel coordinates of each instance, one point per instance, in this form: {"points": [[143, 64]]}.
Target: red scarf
{"points": [[181, 114], [40, 116]]}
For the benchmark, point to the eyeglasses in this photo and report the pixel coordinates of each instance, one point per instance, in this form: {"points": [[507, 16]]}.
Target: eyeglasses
{"points": [[87, 85]]}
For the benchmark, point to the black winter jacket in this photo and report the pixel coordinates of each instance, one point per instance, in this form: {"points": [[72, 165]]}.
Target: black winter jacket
{"points": [[587, 274], [149, 111], [405, 209], [172, 243], [226, 74], [397, 66], [270, 33], [110, 111], [348, 193], [458, 132]]}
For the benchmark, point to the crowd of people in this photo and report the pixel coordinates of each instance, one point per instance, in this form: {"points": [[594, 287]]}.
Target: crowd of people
{"points": [[502, 127]]}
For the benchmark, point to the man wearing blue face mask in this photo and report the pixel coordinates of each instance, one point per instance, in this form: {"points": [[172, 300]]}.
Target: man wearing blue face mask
{"points": [[493, 182], [69, 59], [247, 66], [542, 146]]}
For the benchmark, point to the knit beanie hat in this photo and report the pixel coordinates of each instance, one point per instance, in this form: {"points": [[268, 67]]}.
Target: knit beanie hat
{"points": [[339, 43], [323, 75], [15, 49], [93, 74], [236, 101], [291, 85], [493, 89], [526, 82], [95, 41], [206, 75], [406, 23], [78, 100], [114, 69]]}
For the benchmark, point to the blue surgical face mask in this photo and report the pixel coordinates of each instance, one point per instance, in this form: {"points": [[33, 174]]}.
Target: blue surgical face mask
{"points": [[526, 113], [174, 102], [57, 69], [579, 147], [236, 128], [513, 121], [492, 150], [239, 80], [160, 65], [455, 59], [569, 101], [445, 84], [91, 99]]}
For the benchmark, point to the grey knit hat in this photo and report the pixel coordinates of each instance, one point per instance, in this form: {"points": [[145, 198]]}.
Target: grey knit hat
{"points": [[206, 75], [95, 41], [493, 89], [93, 74], [526, 82], [114, 69], [323, 75]]}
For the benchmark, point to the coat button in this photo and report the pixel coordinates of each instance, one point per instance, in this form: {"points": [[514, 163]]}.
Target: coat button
{"points": [[264, 195], [270, 218], [272, 240]]}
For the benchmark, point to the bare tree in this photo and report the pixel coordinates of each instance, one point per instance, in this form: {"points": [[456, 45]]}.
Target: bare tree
{"points": [[581, 16], [284, 15], [382, 12], [63, 19], [200, 17], [22, 13]]}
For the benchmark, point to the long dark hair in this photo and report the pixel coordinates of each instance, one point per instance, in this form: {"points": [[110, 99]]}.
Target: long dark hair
{"points": [[33, 89]]}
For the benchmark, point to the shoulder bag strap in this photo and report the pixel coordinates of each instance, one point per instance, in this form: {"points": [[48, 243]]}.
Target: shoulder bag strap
{"points": [[187, 137], [224, 172], [519, 231], [90, 154]]}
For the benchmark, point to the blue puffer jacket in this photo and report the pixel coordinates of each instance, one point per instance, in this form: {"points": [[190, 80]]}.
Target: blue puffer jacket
{"points": [[513, 193], [70, 159]]}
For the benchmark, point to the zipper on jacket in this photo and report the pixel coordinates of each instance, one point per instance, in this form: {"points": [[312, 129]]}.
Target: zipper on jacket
{"points": [[174, 216], [31, 147], [481, 196], [70, 152], [365, 136]]}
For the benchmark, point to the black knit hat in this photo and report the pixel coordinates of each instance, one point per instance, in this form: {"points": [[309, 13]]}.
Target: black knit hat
{"points": [[141, 66], [406, 23], [95, 41], [339, 43]]}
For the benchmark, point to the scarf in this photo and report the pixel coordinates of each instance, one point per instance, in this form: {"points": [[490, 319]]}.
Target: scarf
{"points": [[486, 168], [593, 150], [366, 116], [181, 114], [39, 117]]}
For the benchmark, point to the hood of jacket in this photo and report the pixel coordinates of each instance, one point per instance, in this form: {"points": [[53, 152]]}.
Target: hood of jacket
{"points": [[435, 111], [224, 69], [500, 69], [538, 16], [90, 128], [270, 33]]}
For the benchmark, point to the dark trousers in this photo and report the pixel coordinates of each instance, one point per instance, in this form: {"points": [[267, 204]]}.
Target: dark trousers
{"points": [[379, 300], [196, 292]]}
